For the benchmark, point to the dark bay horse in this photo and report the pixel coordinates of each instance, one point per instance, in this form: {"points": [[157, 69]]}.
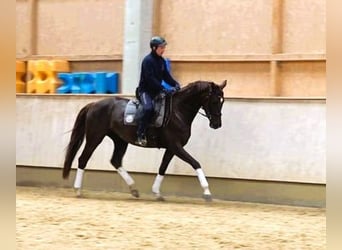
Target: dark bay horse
{"points": [[106, 118]]}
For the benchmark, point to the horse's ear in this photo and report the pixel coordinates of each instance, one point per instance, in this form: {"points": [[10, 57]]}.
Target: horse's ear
{"points": [[223, 84]]}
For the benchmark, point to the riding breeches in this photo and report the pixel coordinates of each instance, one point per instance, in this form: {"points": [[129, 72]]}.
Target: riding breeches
{"points": [[147, 115]]}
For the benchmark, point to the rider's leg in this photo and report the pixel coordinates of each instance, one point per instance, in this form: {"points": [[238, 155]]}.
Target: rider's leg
{"points": [[146, 101]]}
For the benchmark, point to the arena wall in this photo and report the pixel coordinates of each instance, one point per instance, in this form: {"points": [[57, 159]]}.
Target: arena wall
{"points": [[268, 150], [272, 192], [261, 139]]}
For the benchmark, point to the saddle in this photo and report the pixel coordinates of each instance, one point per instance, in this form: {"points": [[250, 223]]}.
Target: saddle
{"points": [[133, 112]]}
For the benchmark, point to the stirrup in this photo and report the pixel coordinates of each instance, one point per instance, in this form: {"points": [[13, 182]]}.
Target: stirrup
{"points": [[142, 141]]}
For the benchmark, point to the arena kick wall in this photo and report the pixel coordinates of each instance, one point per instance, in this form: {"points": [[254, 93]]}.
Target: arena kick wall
{"points": [[265, 147]]}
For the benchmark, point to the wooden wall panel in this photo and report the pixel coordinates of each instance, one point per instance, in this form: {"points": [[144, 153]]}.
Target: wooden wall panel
{"points": [[80, 27], [22, 28], [304, 26], [307, 79], [245, 79], [78, 66], [216, 27], [200, 34]]}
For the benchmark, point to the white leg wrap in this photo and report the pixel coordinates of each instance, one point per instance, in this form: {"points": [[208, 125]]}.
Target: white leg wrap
{"points": [[203, 180], [128, 179], [157, 182], [79, 178]]}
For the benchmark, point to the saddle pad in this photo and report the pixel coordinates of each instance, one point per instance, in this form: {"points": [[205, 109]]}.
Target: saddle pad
{"points": [[133, 112]]}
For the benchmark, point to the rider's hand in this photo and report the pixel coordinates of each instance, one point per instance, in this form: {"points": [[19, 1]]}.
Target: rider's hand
{"points": [[173, 90], [170, 90]]}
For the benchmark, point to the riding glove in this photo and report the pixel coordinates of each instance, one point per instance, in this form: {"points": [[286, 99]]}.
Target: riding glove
{"points": [[170, 90]]}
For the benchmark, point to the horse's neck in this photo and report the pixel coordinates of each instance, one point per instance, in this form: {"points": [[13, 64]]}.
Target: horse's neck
{"points": [[189, 104]]}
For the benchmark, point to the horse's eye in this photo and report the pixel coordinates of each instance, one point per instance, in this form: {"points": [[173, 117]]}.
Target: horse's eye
{"points": [[218, 100]]}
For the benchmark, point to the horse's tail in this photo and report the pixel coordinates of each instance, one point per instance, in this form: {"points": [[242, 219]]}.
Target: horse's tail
{"points": [[76, 139]]}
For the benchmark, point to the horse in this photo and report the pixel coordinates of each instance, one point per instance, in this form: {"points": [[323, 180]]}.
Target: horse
{"points": [[106, 118]]}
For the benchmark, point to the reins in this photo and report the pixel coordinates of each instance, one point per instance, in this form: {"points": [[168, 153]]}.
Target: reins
{"points": [[169, 106], [207, 99]]}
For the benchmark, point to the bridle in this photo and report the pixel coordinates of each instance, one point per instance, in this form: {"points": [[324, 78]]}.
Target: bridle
{"points": [[208, 113]]}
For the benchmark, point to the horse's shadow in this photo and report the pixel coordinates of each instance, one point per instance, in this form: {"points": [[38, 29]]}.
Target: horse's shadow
{"points": [[144, 198]]}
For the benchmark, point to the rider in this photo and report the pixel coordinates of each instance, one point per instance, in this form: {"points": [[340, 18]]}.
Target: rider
{"points": [[153, 71]]}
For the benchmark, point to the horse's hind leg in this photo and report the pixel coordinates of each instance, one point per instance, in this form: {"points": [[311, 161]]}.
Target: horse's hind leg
{"points": [[120, 147], [91, 143]]}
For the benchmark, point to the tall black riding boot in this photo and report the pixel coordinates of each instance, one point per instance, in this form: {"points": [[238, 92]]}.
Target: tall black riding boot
{"points": [[141, 133], [141, 137]]}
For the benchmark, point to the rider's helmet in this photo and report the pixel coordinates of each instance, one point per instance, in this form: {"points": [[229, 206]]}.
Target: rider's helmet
{"points": [[157, 41]]}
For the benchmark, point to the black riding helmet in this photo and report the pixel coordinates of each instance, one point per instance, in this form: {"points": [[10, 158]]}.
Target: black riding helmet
{"points": [[157, 41]]}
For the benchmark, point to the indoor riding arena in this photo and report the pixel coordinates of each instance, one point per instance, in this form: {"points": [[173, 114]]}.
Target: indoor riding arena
{"points": [[266, 164]]}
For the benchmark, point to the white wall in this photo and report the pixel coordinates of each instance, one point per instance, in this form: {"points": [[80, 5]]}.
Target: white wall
{"points": [[282, 140]]}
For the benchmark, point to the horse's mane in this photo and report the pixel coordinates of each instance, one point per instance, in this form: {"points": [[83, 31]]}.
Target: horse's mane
{"points": [[199, 85]]}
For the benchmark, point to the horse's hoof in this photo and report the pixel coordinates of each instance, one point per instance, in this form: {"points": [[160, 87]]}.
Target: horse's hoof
{"points": [[207, 197], [135, 193], [160, 198], [78, 192]]}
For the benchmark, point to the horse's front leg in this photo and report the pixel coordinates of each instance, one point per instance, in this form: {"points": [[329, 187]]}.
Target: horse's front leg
{"points": [[185, 156], [160, 176]]}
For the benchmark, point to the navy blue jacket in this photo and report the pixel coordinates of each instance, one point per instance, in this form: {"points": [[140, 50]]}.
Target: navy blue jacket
{"points": [[153, 71]]}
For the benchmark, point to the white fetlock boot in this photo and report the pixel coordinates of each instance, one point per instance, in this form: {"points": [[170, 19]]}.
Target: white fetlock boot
{"points": [[78, 181], [129, 181], [156, 187], [205, 185]]}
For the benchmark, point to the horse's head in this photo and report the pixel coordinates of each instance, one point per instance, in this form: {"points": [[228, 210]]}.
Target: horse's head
{"points": [[213, 104]]}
